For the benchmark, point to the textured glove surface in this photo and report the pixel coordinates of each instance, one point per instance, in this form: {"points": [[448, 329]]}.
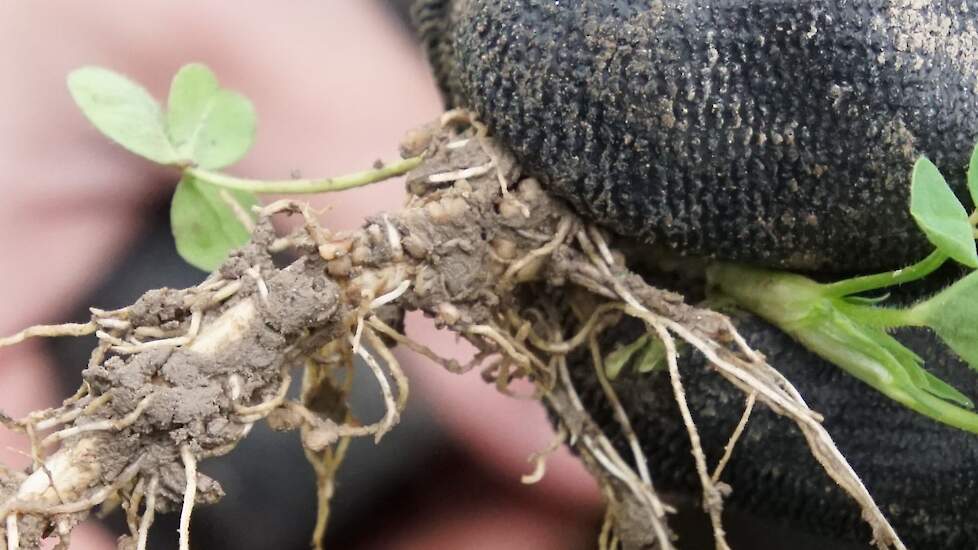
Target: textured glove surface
{"points": [[772, 132], [923, 474]]}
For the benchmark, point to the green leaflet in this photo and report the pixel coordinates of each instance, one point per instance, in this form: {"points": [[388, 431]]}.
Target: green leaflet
{"points": [[882, 362], [211, 126], [124, 111], [617, 359], [645, 354], [205, 125], [204, 225], [953, 314], [653, 356], [940, 214]]}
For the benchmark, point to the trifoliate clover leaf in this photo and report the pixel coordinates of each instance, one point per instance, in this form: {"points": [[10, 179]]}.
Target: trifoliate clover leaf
{"points": [[940, 214], [211, 126], [124, 111], [205, 222]]}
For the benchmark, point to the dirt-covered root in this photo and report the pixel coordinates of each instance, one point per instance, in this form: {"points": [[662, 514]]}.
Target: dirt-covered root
{"points": [[182, 375], [179, 376]]}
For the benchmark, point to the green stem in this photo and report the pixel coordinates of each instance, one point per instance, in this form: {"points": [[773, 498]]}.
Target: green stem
{"points": [[847, 335], [865, 283], [296, 186], [879, 317]]}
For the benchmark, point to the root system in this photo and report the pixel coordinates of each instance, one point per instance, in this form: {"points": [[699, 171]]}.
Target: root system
{"points": [[182, 375]]}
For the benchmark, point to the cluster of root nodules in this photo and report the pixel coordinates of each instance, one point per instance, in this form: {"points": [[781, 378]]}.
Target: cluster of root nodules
{"points": [[183, 375]]}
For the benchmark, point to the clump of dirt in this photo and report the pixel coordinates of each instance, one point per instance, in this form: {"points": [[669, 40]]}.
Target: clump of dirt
{"points": [[180, 371]]}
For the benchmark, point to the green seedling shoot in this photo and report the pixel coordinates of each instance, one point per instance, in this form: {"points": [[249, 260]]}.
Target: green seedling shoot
{"points": [[203, 129], [851, 331]]}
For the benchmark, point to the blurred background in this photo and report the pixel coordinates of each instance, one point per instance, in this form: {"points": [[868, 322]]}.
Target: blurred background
{"points": [[335, 83]]}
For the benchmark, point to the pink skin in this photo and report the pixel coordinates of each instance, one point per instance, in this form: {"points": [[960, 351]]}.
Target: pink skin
{"points": [[334, 85]]}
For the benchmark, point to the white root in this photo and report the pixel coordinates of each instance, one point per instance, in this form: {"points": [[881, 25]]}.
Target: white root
{"points": [[539, 459], [109, 339], [255, 273], [41, 504], [391, 415], [249, 415], [606, 537], [72, 414], [499, 339], [734, 437], [465, 173], [563, 229], [569, 345], [712, 498], [100, 425], [147, 520], [13, 534], [604, 452], [394, 366], [782, 401], [358, 333], [602, 244], [226, 292], [127, 349], [770, 386], [390, 296], [394, 239], [64, 526], [626, 425], [189, 495], [50, 331], [113, 324], [451, 365], [132, 505]]}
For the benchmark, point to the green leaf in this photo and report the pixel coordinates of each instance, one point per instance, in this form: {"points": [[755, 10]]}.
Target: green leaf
{"points": [[652, 357], [190, 96], [953, 315], [205, 226], [616, 360], [124, 111], [912, 364], [937, 387], [973, 177], [211, 126], [881, 361], [940, 214], [853, 336]]}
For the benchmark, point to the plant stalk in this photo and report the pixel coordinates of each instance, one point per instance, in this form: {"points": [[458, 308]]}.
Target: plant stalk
{"points": [[305, 186]]}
